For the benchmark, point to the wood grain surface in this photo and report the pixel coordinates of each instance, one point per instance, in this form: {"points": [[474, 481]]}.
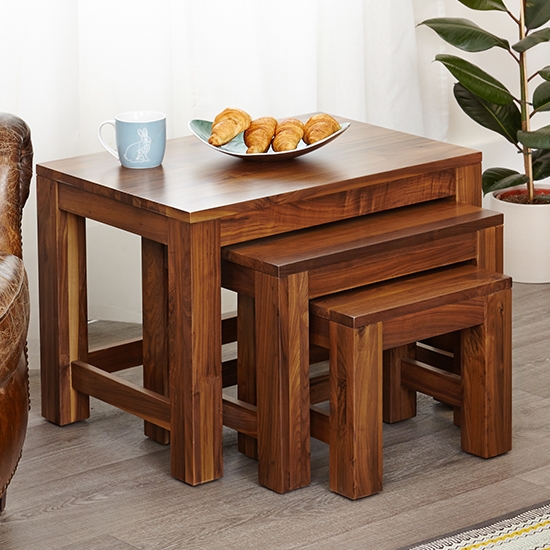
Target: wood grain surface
{"points": [[196, 183]]}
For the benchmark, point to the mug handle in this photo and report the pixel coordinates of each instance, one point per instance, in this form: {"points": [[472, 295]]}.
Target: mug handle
{"points": [[109, 148]]}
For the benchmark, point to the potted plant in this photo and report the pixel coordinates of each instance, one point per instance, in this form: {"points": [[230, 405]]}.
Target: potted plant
{"points": [[509, 113]]}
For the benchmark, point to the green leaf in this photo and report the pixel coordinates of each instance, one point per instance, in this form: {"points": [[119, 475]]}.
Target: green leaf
{"points": [[476, 80], [484, 4], [494, 179], [503, 119], [541, 97], [537, 37], [545, 73], [541, 164], [537, 13], [538, 139], [465, 35]]}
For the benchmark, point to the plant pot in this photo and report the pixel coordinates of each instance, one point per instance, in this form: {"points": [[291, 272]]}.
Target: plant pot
{"points": [[526, 237]]}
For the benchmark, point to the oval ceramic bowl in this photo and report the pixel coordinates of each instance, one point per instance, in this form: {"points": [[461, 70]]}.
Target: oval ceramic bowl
{"points": [[237, 148]]}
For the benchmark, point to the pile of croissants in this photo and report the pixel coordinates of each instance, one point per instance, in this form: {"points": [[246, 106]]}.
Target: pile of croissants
{"points": [[261, 133]]}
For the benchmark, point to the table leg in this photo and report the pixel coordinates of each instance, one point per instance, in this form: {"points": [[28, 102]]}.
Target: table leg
{"points": [[246, 369], [468, 184], [486, 424], [63, 305], [282, 352], [399, 402], [155, 327], [490, 249], [355, 410], [194, 298]]}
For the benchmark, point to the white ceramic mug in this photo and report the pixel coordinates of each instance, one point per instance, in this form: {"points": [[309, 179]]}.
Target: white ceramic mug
{"points": [[140, 138]]}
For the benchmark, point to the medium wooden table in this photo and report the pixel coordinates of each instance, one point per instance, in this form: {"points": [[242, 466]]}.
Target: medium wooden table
{"points": [[198, 201]]}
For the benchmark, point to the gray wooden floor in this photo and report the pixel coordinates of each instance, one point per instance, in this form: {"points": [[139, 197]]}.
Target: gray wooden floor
{"points": [[101, 485]]}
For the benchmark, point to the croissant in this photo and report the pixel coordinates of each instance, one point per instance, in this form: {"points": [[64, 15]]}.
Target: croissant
{"points": [[288, 134], [227, 125], [259, 134], [319, 127]]}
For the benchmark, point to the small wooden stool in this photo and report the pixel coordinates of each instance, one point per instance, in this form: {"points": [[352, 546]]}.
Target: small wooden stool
{"points": [[358, 325]]}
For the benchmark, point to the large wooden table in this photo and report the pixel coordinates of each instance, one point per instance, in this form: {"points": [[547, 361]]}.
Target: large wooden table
{"points": [[198, 201]]}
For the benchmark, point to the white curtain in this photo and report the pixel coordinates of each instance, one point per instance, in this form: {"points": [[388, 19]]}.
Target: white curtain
{"points": [[67, 65]]}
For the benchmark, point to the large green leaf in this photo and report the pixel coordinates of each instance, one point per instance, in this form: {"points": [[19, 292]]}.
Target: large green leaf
{"points": [[495, 179], [484, 4], [503, 119], [537, 139], [537, 37], [541, 164], [537, 13], [541, 97], [545, 73], [476, 80], [465, 35]]}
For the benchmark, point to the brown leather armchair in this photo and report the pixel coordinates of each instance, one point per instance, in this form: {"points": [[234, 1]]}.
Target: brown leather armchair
{"points": [[15, 176]]}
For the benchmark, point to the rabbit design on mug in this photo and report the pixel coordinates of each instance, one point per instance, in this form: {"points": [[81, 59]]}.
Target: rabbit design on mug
{"points": [[137, 152]]}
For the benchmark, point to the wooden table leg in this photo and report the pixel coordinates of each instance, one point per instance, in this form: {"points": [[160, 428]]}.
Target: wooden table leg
{"points": [[486, 424], [468, 184], [399, 402], [356, 410], [490, 248], [246, 368], [63, 305], [194, 298], [282, 352], [155, 328]]}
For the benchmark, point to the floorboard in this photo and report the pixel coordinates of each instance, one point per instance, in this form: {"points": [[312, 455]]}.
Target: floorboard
{"points": [[100, 484]]}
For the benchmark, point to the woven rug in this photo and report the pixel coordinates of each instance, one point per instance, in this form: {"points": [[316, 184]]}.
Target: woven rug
{"points": [[527, 529]]}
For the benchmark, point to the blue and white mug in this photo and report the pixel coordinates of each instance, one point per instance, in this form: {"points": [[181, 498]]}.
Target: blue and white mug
{"points": [[140, 138]]}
